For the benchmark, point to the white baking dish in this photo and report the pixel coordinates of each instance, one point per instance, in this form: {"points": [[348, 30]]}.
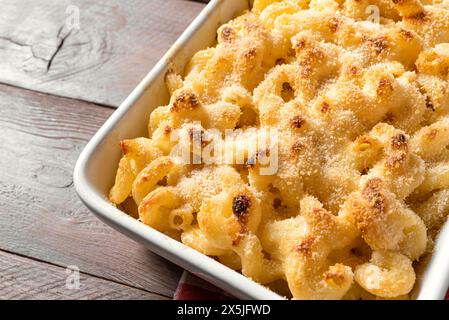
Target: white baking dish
{"points": [[96, 167]]}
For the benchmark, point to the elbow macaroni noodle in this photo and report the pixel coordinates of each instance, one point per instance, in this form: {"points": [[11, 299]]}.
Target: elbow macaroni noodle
{"points": [[309, 149]]}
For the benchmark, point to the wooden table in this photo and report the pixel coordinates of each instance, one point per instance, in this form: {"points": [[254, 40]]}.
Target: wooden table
{"points": [[58, 84]]}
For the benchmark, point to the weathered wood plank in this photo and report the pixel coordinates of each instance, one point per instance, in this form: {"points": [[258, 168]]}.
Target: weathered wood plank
{"points": [[40, 213], [22, 278], [102, 60]]}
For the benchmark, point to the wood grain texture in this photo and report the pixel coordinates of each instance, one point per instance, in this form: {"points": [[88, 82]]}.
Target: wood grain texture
{"points": [[115, 46], [22, 278], [40, 213]]}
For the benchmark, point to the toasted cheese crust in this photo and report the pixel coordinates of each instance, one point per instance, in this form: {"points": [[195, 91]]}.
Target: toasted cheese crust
{"points": [[349, 187]]}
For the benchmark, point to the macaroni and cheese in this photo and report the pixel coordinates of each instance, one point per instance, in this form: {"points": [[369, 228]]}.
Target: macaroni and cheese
{"points": [[308, 149]]}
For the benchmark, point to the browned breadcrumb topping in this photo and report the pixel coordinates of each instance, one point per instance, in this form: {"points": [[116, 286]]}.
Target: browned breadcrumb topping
{"points": [[227, 34], [379, 44], [186, 100], [385, 87], [336, 276], [399, 142], [325, 107], [297, 147], [297, 122], [335, 24], [406, 33], [305, 246], [300, 44], [241, 205], [281, 61], [251, 53], [418, 18], [364, 171], [372, 193], [277, 203], [429, 104], [396, 160], [361, 109], [432, 134], [354, 70], [371, 207], [389, 117]]}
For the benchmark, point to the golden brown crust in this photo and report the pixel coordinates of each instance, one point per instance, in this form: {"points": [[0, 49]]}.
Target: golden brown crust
{"points": [[371, 207], [355, 114], [305, 246], [185, 100]]}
